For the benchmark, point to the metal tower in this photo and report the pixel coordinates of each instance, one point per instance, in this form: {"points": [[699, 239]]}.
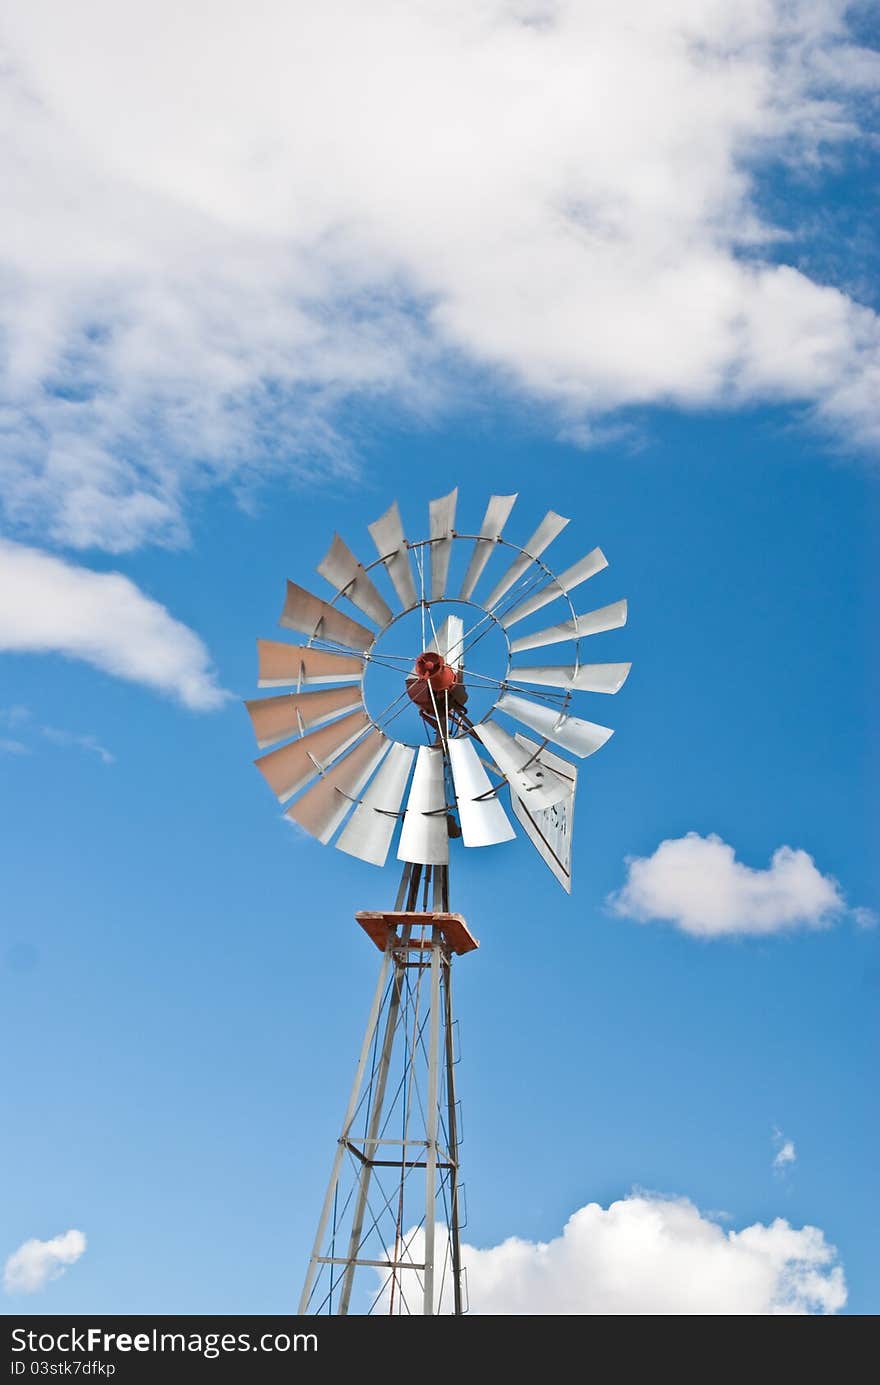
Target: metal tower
{"points": [[393, 1204]]}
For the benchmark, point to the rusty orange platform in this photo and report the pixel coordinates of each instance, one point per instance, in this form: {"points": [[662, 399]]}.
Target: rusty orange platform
{"points": [[382, 925]]}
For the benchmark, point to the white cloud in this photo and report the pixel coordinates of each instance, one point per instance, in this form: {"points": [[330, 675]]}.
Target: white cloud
{"points": [[698, 884], [785, 1155], [30, 1268], [48, 605], [658, 1256], [223, 229]]}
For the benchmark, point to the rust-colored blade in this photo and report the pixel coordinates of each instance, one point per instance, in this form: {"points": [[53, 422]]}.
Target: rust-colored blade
{"points": [[322, 808], [276, 718], [285, 665], [289, 768], [316, 618]]}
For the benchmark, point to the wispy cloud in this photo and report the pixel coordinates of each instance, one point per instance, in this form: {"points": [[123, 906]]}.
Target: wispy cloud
{"points": [[22, 717], [196, 284], [35, 1263], [83, 742], [48, 605], [13, 747], [697, 884]]}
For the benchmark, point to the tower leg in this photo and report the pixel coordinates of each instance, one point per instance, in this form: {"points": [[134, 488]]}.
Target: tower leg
{"points": [[389, 1226]]}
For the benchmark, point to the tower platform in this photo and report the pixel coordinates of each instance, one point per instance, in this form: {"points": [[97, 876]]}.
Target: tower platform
{"points": [[382, 926]]}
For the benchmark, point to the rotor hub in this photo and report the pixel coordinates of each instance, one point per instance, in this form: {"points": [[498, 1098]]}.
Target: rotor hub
{"points": [[432, 668]]}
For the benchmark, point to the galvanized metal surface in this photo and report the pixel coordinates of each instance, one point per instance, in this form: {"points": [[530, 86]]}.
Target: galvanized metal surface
{"points": [[566, 582], [344, 572], [388, 536], [424, 838], [396, 1164], [551, 525], [580, 737], [483, 820], [527, 774], [592, 623], [494, 520], [442, 522], [600, 678], [550, 828], [369, 830]]}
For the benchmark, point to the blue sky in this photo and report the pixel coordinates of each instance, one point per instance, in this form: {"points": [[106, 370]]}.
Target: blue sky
{"points": [[184, 986]]}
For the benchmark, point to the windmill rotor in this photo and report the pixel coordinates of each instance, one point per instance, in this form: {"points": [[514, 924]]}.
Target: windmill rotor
{"points": [[360, 777]]}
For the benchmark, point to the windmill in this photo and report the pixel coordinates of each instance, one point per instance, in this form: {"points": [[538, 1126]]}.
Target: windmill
{"points": [[430, 765]]}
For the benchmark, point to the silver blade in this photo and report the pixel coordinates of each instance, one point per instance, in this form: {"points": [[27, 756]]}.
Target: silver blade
{"points": [[292, 766], [580, 737], [343, 571], [387, 534], [424, 837], [326, 804], [442, 515], [551, 525], [593, 623], [449, 640], [566, 582], [550, 829], [483, 820], [526, 774], [599, 678], [278, 718], [496, 516], [285, 665], [369, 830], [316, 618]]}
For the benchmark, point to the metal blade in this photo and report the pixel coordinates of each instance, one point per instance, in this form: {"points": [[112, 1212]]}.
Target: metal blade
{"points": [[494, 520], [442, 515], [600, 678], [323, 807], [387, 534], [593, 623], [483, 820], [449, 640], [281, 665], [313, 617], [527, 776], [580, 737], [566, 582], [291, 767], [343, 571], [277, 718], [424, 837], [551, 525], [550, 829], [369, 830]]}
